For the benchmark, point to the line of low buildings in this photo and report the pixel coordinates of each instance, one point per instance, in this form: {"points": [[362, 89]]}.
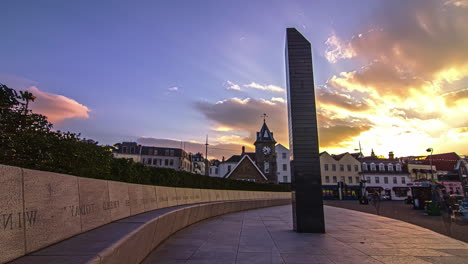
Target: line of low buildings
{"points": [[344, 176]]}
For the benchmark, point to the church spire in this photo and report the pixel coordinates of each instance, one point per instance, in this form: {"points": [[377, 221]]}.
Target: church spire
{"points": [[265, 135]]}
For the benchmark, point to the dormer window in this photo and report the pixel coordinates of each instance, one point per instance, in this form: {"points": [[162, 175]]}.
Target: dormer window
{"points": [[398, 167], [390, 167], [364, 166], [373, 167], [381, 167]]}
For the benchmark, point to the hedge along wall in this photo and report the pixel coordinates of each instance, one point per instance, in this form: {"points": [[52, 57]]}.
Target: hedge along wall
{"points": [[41, 208], [125, 170]]}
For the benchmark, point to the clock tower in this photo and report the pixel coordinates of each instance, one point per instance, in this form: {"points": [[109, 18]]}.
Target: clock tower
{"points": [[265, 153]]}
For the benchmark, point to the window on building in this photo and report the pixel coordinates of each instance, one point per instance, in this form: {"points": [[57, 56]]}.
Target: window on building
{"points": [[267, 167], [211, 170], [155, 152], [398, 167], [144, 161], [342, 179], [341, 167], [216, 171], [395, 180], [132, 150], [364, 166], [368, 179], [155, 161], [160, 162], [333, 167], [283, 155], [356, 167], [357, 180], [334, 179], [377, 180], [385, 179], [327, 179], [381, 167], [166, 162], [166, 152], [171, 152], [403, 180], [390, 167], [372, 167], [285, 167], [171, 162], [349, 167], [124, 149], [350, 180], [285, 178], [326, 167], [229, 168]]}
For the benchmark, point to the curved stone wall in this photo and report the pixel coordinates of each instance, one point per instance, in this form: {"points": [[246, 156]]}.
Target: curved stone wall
{"points": [[40, 208]]}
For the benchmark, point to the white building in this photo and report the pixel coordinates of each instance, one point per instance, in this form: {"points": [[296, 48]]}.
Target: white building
{"points": [[283, 164], [171, 158], [387, 177], [213, 171]]}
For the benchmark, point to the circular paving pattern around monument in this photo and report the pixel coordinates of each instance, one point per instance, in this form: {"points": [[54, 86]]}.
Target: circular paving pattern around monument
{"points": [[266, 236]]}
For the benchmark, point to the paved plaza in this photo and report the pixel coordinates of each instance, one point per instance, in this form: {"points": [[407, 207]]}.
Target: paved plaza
{"points": [[405, 212], [266, 236]]}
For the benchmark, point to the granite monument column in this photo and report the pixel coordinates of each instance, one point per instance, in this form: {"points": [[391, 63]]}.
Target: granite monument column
{"points": [[307, 204]]}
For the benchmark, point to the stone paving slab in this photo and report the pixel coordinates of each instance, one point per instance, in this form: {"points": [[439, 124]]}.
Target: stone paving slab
{"points": [[266, 236]]}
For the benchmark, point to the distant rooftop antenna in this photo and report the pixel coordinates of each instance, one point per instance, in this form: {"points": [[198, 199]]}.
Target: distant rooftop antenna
{"points": [[206, 156]]}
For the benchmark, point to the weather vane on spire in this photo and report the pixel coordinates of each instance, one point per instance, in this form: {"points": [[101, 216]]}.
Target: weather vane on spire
{"points": [[264, 117]]}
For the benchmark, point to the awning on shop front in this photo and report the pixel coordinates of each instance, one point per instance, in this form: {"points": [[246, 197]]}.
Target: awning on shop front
{"points": [[374, 189], [401, 189]]}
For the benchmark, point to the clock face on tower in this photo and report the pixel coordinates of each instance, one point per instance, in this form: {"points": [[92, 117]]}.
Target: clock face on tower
{"points": [[266, 150]]}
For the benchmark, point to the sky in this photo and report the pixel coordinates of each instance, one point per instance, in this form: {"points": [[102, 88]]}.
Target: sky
{"points": [[392, 75]]}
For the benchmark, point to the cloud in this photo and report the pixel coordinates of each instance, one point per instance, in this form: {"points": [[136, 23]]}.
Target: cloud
{"points": [[244, 116], [265, 87], [173, 89], [336, 49], [417, 42], [459, 3], [57, 107], [334, 136], [452, 98], [233, 86], [340, 99], [410, 113], [278, 99]]}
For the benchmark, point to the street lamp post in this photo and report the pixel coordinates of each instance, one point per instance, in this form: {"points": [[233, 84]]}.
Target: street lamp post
{"points": [[363, 179], [430, 162]]}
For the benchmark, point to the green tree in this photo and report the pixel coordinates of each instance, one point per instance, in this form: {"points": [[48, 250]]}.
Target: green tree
{"points": [[27, 96]]}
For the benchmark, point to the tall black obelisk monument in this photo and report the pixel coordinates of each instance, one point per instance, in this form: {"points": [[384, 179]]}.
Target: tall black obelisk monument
{"points": [[303, 136]]}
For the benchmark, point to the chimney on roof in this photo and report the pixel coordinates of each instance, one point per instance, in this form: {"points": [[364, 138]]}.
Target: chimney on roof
{"points": [[243, 150], [223, 158], [390, 155]]}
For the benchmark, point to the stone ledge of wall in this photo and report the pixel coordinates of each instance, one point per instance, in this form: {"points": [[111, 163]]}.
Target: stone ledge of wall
{"points": [[38, 208], [131, 239]]}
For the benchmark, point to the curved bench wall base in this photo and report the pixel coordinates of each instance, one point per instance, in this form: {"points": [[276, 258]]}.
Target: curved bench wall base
{"points": [[140, 234]]}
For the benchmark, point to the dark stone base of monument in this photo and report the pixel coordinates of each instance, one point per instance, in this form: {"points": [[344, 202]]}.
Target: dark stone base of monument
{"points": [[308, 213]]}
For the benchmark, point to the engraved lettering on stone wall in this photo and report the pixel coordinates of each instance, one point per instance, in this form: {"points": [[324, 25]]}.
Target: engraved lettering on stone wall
{"points": [[84, 209], [107, 205], [10, 221]]}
